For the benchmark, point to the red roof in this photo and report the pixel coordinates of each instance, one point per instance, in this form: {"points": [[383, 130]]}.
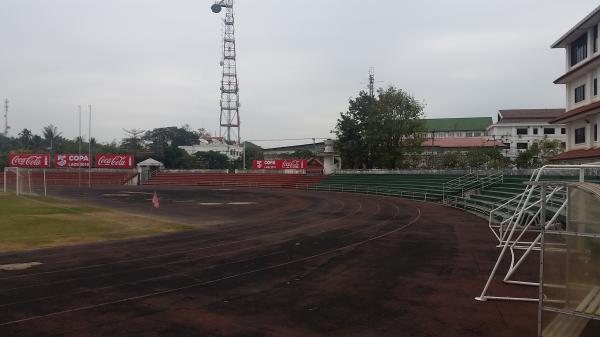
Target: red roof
{"points": [[575, 112], [463, 142], [578, 154]]}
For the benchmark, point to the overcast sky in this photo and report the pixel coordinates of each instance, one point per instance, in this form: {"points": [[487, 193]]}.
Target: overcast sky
{"points": [[150, 63]]}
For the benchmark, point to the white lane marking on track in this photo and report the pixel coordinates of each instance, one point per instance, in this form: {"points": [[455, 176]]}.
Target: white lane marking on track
{"points": [[19, 266], [131, 192], [210, 203], [115, 195], [241, 203], [184, 200]]}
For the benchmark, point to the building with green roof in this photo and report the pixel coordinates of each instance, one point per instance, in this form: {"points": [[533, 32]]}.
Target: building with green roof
{"points": [[456, 127]]}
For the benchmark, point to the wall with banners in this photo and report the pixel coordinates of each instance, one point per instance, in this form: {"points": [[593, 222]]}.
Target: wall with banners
{"points": [[279, 164], [71, 160], [29, 160], [115, 161]]}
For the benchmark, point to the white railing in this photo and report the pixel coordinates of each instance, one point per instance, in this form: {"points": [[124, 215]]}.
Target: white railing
{"points": [[521, 232]]}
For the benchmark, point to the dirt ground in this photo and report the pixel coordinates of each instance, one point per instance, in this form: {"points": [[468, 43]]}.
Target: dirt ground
{"points": [[266, 263]]}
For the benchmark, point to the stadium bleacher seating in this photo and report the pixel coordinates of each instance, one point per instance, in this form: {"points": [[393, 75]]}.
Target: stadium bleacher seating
{"points": [[412, 186], [234, 180]]}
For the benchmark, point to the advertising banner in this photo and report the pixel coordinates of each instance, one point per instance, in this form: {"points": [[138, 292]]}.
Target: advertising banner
{"points": [[279, 164], [115, 161], [71, 160], [29, 160]]}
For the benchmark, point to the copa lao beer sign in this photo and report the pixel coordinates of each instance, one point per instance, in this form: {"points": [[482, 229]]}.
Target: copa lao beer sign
{"points": [[116, 161], [29, 160], [71, 160], [279, 164]]}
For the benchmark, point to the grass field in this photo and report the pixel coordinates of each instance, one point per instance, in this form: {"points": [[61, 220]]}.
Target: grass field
{"points": [[32, 222]]}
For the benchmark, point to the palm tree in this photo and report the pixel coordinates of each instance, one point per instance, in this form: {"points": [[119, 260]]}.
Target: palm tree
{"points": [[51, 135], [25, 137]]}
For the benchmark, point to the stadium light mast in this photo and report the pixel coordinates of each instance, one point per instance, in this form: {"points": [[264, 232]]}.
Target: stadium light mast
{"points": [[230, 103]]}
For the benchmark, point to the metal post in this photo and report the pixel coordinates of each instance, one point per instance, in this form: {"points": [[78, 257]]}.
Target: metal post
{"points": [[542, 234], [244, 157], [45, 189], [17, 181], [90, 148], [5, 173], [79, 151]]}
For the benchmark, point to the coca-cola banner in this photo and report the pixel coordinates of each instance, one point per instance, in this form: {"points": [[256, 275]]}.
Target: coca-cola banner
{"points": [[117, 161], [71, 160], [29, 160], [279, 164]]}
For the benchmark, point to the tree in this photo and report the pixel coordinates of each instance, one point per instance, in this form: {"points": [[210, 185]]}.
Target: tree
{"points": [[133, 141], [25, 137], [379, 131], [539, 153], [213, 159], [52, 137]]}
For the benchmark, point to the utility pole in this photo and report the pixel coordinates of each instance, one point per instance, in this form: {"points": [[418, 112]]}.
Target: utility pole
{"points": [[6, 127], [230, 102]]}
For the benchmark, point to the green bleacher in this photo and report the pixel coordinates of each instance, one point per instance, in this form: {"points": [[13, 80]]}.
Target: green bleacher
{"points": [[410, 186]]}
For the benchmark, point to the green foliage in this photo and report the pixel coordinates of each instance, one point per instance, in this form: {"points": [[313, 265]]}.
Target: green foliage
{"points": [[378, 132], [539, 153], [253, 152], [477, 158], [213, 159]]}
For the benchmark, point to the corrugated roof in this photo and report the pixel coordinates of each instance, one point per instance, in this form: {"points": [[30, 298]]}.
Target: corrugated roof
{"points": [[457, 124], [463, 142], [576, 112], [513, 115], [578, 154]]}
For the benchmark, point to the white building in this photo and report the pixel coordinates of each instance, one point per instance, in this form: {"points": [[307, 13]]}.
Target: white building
{"points": [[519, 128], [582, 65], [216, 144]]}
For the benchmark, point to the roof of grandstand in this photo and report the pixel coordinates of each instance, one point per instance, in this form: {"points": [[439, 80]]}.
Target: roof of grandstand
{"points": [[457, 124]]}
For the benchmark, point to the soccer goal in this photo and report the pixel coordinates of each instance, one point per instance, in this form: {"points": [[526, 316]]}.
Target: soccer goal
{"points": [[24, 181]]}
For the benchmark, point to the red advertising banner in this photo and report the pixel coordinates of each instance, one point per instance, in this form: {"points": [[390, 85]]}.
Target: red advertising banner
{"points": [[29, 160], [116, 161], [279, 164], [71, 160]]}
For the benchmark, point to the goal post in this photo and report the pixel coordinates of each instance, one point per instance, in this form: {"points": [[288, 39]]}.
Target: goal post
{"points": [[25, 181]]}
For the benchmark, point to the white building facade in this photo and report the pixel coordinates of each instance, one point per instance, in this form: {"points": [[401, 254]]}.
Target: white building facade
{"points": [[582, 114], [215, 144], [519, 128]]}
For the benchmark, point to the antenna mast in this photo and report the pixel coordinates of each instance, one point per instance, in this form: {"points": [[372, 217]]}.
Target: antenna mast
{"points": [[230, 102], [372, 82], [6, 127]]}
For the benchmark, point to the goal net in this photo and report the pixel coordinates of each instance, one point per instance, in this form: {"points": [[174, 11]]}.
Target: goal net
{"points": [[24, 181]]}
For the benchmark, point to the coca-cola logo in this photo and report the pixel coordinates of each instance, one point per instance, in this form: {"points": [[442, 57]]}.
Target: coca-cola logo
{"points": [[27, 161], [114, 160], [291, 164]]}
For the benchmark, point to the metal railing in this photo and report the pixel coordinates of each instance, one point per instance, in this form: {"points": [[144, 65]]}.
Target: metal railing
{"points": [[378, 190], [470, 182]]}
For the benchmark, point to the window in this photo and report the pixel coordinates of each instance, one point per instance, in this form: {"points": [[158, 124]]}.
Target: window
{"points": [[469, 134], [563, 131], [477, 134], [522, 146], [579, 135], [549, 131], [522, 131], [535, 131], [595, 87], [595, 41], [580, 93], [579, 49], [595, 132], [563, 145]]}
